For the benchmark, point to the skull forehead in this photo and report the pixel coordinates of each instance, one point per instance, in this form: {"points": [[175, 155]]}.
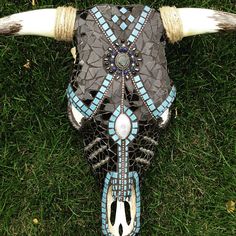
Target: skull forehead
{"points": [[92, 45]]}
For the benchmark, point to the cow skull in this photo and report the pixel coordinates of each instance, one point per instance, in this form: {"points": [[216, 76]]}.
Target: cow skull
{"points": [[123, 60]]}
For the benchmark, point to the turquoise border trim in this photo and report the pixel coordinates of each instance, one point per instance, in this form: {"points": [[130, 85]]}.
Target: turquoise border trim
{"points": [[81, 107], [155, 111], [103, 24], [107, 183], [140, 24]]}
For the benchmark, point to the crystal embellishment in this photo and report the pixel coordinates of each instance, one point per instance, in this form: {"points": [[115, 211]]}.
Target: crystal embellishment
{"points": [[123, 126], [115, 18], [123, 26], [123, 10]]}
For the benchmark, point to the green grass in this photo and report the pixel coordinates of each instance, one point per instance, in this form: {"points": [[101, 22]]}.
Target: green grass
{"points": [[44, 175]]}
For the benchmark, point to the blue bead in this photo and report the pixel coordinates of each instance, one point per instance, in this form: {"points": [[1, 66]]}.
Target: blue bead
{"points": [[156, 113], [161, 108], [145, 97], [169, 99], [84, 108], [130, 18], [75, 99], [112, 118], [152, 107], [106, 83], [129, 112], [141, 20], [94, 9], [111, 131], [135, 125], [89, 112], [139, 84], [137, 78], [103, 89], [109, 77], [149, 102], [99, 95], [138, 26], [109, 32], [144, 14], [135, 32], [147, 9], [123, 10], [134, 131], [133, 117], [123, 26], [105, 26], [115, 18], [80, 104], [113, 38], [101, 20], [111, 125], [96, 101], [131, 137], [98, 15], [115, 137], [131, 38], [93, 107], [165, 103], [116, 112], [143, 91]]}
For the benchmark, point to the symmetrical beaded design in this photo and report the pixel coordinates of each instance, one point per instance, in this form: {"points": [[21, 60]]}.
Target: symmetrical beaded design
{"points": [[81, 107], [156, 112], [121, 87], [111, 176]]}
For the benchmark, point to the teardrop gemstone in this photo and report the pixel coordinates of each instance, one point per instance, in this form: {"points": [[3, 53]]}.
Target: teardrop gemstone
{"points": [[123, 126]]}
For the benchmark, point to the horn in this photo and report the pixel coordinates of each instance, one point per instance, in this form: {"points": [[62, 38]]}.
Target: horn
{"points": [[55, 23], [183, 22]]}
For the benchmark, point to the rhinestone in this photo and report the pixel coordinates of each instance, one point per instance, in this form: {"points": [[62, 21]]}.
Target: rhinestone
{"points": [[123, 26], [123, 10], [123, 126], [115, 18]]}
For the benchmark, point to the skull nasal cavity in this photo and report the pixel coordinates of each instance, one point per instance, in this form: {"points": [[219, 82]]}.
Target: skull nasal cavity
{"points": [[113, 212], [127, 213], [120, 230]]}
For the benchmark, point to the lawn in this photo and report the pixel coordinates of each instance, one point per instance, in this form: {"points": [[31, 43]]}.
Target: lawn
{"points": [[46, 186]]}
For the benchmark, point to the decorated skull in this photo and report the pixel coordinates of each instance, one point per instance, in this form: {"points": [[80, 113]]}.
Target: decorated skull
{"points": [[120, 94]]}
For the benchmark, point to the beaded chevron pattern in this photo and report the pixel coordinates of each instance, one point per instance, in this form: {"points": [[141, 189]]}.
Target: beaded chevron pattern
{"points": [[121, 87]]}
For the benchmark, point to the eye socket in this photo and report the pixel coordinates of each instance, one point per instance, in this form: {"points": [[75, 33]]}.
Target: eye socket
{"points": [[127, 213], [113, 212]]}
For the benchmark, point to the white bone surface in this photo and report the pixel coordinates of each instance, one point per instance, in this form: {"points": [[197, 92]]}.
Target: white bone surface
{"points": [[77, 115], [198, 21], [37, 22], [165, 118], [120, 217]]}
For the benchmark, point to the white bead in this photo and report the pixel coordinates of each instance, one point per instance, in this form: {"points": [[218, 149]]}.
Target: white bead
{"points": [[123, 126]]}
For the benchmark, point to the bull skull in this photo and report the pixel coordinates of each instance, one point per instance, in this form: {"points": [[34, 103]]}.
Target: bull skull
{"points": [[120, 93]]}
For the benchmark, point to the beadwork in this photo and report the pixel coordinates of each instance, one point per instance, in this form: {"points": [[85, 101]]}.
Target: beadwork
{"points": [[122, 92]]}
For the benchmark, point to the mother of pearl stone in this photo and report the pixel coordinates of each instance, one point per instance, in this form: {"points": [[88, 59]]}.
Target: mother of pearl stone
{"points": [[122, 61], [123, 126]]}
